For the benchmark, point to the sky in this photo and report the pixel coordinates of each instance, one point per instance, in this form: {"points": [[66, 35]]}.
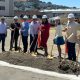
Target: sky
{"points": [[70, 3]]}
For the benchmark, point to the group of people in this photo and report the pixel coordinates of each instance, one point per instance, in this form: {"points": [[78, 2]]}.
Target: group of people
{"points": [[24, 29], [39, 32]]}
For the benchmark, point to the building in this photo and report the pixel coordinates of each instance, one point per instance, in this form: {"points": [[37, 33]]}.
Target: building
{"points": [[6, 7], [55, 12]]}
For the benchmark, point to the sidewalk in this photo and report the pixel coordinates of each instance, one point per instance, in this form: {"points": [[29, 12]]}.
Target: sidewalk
{"points": [[7, 73], [14, 72]]}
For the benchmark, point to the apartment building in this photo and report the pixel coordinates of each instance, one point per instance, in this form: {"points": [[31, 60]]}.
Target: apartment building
{"points": [[6, 7]]}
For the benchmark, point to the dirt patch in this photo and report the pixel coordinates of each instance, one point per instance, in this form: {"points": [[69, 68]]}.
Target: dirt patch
{"points": [[65, 67]]}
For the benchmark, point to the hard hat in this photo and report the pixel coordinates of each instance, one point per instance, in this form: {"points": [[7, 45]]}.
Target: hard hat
{"points": [[25, 17], [71, 15], [44, 17], [16, 17], [34, 17], [57, 18]]}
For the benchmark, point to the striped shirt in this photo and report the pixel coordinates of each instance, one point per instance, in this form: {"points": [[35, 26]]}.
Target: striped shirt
{"points": [[34, 28]]}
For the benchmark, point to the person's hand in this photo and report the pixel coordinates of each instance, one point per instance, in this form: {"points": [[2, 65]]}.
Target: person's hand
{"points": [[12, 29], [64, 30], [18, 27], [43, 30]]}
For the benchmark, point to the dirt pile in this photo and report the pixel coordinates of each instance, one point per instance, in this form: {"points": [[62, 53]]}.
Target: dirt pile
{"points": [[65, 67]]}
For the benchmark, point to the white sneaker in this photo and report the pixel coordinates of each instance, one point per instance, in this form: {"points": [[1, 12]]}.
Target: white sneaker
{"points": [[50, 57], [34, 54]]}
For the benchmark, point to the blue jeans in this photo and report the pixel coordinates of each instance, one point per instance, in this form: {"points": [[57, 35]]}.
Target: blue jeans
{"points": [[2, 38], [71, 51]]}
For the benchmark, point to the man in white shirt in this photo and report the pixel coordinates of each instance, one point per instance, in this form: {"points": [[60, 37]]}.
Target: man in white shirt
{"points": [[3, 32], [34, 28], [71, 30]]}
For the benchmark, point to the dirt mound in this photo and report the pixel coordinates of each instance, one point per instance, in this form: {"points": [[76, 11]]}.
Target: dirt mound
{"points": [[65, 67]]}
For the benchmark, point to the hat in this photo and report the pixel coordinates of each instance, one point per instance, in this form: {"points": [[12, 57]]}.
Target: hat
{"points": [[57, 18], [44, 17], [25, 17], [71, 15], [16, 17], [34, 17]]}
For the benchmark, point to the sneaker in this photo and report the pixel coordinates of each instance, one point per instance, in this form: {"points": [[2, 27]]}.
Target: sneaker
{"points": [[50, 57], [34, 54], [24, 51]]}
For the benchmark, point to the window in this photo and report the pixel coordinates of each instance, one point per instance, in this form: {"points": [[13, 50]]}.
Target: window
{"points": [[2, 7], [2, 0]]}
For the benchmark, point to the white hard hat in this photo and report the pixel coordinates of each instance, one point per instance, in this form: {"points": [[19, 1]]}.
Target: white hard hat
{"points": [[57, 18], [71, 15], [34, 17], [25, 17], [16, 17], [44, 17]]}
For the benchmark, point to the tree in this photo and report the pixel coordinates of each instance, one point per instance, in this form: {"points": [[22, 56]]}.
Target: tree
{"points": [[74, 7], [36, 5], [18, 4], [49, 3]]}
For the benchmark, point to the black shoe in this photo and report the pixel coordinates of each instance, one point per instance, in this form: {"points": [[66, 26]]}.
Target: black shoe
{"points": [[3, 50], [45, 54], [16, 49], [24, 51], [10, 49]]}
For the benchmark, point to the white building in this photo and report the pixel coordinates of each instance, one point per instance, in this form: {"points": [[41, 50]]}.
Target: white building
{"points": [[6, 7], [54, 12]]}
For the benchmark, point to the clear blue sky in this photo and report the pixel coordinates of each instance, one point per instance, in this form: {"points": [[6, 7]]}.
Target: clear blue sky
{"points": [[70, 3]]}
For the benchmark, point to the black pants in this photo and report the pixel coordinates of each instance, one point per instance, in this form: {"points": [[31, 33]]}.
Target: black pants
{"points": [[14, 39], [33, 43], [2, 38], [25, 42], [71, 51]]}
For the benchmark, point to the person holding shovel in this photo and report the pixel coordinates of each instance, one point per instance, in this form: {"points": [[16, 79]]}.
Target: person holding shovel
{"points": [[45, 28], [71, 31], [58, 40], [3, 32], [24, 33], [34, 28], [14, 27]]}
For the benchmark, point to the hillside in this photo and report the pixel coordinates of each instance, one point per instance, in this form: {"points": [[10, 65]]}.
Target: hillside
{"points": [[39, 5]]}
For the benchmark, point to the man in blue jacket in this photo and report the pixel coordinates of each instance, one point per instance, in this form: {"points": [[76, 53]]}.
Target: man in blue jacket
{"points": [[24, 33]]}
